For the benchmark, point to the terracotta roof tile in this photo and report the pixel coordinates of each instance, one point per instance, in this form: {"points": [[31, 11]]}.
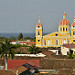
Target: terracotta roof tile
{"points": [[29, 42], [39, 24], [69, 45], [16, 63], [64, 22], [73, 24], [19, 69]]}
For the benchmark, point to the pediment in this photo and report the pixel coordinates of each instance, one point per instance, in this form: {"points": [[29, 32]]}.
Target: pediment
{"points": [[55, 34]]}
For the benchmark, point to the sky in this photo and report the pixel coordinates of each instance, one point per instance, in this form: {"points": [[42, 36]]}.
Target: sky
{"points": [[22, 15]]}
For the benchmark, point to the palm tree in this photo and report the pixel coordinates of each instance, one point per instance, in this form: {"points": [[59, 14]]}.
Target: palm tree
{"points": [[6, 51], [33, 49]]}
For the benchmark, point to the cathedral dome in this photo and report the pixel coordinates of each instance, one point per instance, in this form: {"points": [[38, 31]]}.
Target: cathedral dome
{"points": [[64, 21], [73, 24]]}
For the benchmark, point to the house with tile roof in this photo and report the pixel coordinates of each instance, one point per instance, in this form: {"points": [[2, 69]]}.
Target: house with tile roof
{"points": [[66, 48], [23, 66], [17, 63]]}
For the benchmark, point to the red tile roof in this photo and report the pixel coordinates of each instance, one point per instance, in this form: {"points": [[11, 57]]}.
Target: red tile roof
{"points": [[16, 63], [73, 24], [19, 69], [29, 42], [13, 41], [64, 22], [69, 45], [33, 64], [39, 24], [64, 14]]}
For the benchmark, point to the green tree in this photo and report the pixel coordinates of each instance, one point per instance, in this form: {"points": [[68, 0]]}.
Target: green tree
{"points": [[12, 38], [20, 36], [34, 39], [2, 39], [27, 38], [70, 55], [33, 49], [6, 51]]}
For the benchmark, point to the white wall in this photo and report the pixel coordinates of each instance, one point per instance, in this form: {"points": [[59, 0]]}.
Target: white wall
{"points": [[13, 43], [64, 50]]}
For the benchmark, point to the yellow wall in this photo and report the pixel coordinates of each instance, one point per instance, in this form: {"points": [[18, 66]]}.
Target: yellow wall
{"points": [[51, 38], [64, 26], [63, 37], [72, 32], [38, 37]]}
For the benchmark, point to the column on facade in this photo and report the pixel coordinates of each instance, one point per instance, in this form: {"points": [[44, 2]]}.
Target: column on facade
{"points": [[62, 41], [51, 42], [66, 40]]}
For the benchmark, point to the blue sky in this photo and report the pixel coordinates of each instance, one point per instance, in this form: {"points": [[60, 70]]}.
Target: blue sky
{"points": [[22, 15]]}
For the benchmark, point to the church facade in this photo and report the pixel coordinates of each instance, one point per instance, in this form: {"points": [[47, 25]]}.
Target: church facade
{"points": [[64, 35]]}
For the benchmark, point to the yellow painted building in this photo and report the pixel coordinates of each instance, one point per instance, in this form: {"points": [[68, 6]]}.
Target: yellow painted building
{"points": [[65, 34]]}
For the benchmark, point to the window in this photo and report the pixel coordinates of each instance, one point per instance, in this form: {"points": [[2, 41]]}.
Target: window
{"points": [[38, 40], [38, 32], [68, 41], [73, 40], [63, 29], [44, 42], [38, 26], [73, 32], [56, 42], [60, 29], [56, 34], [67, 52], [73, 26], [66, 29], [64, 41]]}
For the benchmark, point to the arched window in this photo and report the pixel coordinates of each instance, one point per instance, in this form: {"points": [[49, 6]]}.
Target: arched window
{"points": [[63, 29], [38, 40], [38, 32], [73, 40], [68, 41], [73, 26], [56, 42], [73, 32], [44, 42], [66, 29], [60, 29], [64, 41]]}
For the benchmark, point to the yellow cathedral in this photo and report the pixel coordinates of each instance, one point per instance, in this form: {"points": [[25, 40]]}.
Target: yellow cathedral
{"points": [[64, 35]]}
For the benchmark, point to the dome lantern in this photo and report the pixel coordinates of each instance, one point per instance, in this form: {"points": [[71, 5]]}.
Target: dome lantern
{"points": [[64, 15], [64, 21], [38, 20]]}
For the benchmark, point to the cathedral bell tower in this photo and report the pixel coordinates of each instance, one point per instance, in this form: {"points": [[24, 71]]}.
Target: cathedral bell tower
{"points": [[39, 29], [73, 28]]}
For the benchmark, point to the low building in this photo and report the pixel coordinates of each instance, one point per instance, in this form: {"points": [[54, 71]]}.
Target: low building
{"points": [[27, 43], [66, 48], [23, 67], [14, 42]]}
